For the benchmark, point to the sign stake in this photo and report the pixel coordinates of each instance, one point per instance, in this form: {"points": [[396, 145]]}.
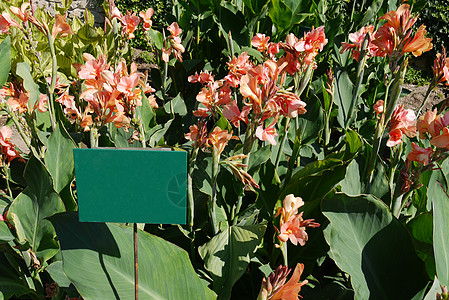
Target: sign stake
{"points": [[136, 264]]}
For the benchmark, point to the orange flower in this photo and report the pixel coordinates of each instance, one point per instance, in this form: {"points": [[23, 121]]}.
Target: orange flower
{"points": [[203, 78], [218, 139], [419, 43], [260, 41], [19, 104], [441, 141], [420, 154], [146, 18], [232, 112], [432, 123], [275, 287], [401, 19], [290, 104], [441, 68], [379, 107], [238, 66], [60, 27]]}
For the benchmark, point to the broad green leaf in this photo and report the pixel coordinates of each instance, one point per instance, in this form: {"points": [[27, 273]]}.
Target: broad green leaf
{"points": [[343, 95], [441, 233], [434, 289], [56, 272], [228, 254], [281, 15], [147, 114], [10, 287], [258, 158], [24, 71], [5, 60], [177, 105], [371, 12], [312, 122], [36, 203], [421, 227], [159, 134], [156, 38], [88, 34], [316, 179], [352, 184], [106, 268], [5, 233], [59, 158], [373, 247]]}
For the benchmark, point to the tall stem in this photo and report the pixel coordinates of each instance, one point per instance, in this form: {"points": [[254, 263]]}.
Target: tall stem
{"points": [[429, 90], [51, 89], [19, 128], [284, 253], [190, 198], [281, 144], [213, 198], [94, 137]]}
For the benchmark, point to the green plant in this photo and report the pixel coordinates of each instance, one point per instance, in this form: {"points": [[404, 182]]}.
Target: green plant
{"points": [[416, 77]]}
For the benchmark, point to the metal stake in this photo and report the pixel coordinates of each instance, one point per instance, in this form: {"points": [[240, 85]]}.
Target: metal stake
{"points": [[136, 264]]}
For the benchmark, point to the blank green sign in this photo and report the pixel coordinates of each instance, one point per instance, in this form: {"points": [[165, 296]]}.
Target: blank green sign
{"points": [[131, 185]]}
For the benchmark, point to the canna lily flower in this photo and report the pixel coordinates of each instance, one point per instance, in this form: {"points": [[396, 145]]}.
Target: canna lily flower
{"points": [[146, 18], [6, 22], [432, 123], [441, 141], [60, 27], [238, 67], [232, 112], [8, 149], [290, 104], [275, 287], [400, 20], [420, 154], [40, 105], [130, 23], [127, 84], [19, 104], [22, 13], [260, 41], [268, 133], [203, 77], [198, 134], [218, 139], [441, 68], [402, 122], [379, 107], [419, 43]]}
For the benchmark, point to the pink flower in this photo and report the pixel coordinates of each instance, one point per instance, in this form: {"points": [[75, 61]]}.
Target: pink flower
{"points": [[379, 107], [267, 134], [420, 154], [127, 84], [7, 147], [203, 77], [232, 112], [21, 12], [60, 27], [260, 41], [146, 18], [6, 22], [218, 139], [290, 104], [129, 22], [441, 141], [402, 122], [19, 104]]}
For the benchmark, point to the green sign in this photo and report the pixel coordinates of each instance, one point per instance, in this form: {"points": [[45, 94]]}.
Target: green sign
{"points": [[131, 185]]}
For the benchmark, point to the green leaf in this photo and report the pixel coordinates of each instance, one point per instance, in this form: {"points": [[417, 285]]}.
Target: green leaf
{"points": [[59, 158], [312, 122], [5, 233], [5, 60], [156, 38], [228, 254], [351, 184], [373, 247], [159, 134], [24, 71], [88, 34], [258, 158], [106, 268], [56, 272], [343, 95], [371, 12], [441, 233], [421, 227], [36, 203], [434, 290], [147, 114], [281, 15], [177, 104]]}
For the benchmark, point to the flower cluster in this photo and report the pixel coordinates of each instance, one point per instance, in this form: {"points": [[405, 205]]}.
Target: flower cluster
{"points": [[173, 44], [112, 94], [276, 287], [292, 224], [18, 99], [394, 38], [130, 21]]}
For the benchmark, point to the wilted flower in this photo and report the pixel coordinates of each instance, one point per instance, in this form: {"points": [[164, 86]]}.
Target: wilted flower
{"points": [[218, 139], [60, 27], [8, 150], [441, 68], [275, 287], [22, 13]]}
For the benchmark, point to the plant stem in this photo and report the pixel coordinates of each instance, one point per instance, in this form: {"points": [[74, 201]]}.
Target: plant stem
{"points": [[5, 171], [282, 142], [429, 90], [213, 198], [284, 253], [19, 128], [94, 137], [190, 198], [51, 89]]}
